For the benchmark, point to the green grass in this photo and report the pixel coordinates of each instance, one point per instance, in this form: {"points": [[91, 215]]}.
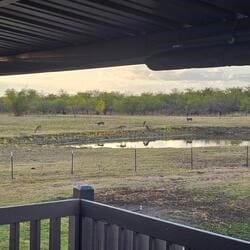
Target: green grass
{"points": [[25, 125], [25, 237], [235, 229]]}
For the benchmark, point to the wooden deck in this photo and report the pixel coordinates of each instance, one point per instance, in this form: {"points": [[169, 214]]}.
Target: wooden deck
{"points": [[95, 226]]}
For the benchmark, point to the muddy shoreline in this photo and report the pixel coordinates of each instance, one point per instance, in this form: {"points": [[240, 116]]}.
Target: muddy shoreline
{"points": [[185, 133]]}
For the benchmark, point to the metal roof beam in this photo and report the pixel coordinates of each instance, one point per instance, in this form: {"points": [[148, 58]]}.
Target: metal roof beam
{"points": [[5, 3], [127, 51]]}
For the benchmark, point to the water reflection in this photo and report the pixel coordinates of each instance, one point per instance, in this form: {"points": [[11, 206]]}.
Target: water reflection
{"points": [[123, 145], [146, 143], [166, 144]]}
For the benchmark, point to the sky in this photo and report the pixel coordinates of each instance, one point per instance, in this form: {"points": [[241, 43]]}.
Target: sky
{"points": [[129, 79]]}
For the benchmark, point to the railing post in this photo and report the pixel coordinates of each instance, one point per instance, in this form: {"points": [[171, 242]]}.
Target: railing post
{"points": [[75, 222], [83, 192]]}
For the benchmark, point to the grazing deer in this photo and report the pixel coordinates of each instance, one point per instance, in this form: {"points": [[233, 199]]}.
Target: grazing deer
{"points": [[189, 141], [121, 127], [189, 119], [147, 127], [100, 123], [37, 128]]}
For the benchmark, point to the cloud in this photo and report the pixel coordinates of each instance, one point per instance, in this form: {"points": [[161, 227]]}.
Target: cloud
{"points": [[132, 79]]}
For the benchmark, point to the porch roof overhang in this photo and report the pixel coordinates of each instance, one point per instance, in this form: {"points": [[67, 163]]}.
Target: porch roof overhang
{"points": [[56, 35]]}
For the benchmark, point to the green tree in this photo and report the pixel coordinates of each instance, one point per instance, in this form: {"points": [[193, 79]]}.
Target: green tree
{"points": [[100, 106], [18, 101]]}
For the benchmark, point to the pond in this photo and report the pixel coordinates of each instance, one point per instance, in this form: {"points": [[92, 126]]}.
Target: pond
{"points": [[165, 144]]}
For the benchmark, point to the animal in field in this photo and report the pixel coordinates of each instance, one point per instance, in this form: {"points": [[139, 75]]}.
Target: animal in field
{"points": [[100, 123], [189, 141], [121, 127], [100, 144], [189, 119], [39, 127], [145, 143], [144, 123], [147, 128]]}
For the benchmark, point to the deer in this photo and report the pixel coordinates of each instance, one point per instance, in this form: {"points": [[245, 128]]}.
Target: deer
{"points": [[189, 119], [147, 128], [100, 123], [37, 128], [121, 127]]}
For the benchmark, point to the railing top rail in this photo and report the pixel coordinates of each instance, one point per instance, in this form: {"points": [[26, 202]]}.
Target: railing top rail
{"points": [[161, 229], [63, 208]]}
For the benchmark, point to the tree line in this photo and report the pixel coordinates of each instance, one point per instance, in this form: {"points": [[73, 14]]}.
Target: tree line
{"points": [[188, 102]]}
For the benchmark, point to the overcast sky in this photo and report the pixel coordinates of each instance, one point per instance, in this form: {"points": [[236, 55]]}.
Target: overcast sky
{"points": [[129, 79]]}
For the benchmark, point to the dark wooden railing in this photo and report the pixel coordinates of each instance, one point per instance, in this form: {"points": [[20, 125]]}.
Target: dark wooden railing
{"points": [[33, 214], [95, 226]]}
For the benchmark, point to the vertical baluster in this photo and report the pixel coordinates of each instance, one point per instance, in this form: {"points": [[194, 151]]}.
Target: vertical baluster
{"points": [[168, 245], [111, 237], [106, 236], [135, 235], [129, 240], [95, 235], [35, 235], [122, 239], [151, 243], [142, 242], [14, 236], [74, 232], [55, 234], [160, 245], [100, 235], [87, 234]]}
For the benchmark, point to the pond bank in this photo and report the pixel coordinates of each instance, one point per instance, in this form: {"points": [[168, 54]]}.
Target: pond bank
{"points": [[183, 133]]}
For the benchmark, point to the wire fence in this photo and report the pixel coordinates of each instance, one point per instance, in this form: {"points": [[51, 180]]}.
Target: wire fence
{"points": [[62, 161]]}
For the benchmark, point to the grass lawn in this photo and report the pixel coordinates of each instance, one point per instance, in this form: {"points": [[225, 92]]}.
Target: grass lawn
{"points": [[25, 125]]}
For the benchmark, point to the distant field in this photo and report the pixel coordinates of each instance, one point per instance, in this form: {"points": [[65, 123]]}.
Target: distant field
{"points": [[25, 125]]}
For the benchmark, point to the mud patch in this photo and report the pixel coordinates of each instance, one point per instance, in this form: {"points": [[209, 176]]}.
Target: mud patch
{"points": [[234, 133]]}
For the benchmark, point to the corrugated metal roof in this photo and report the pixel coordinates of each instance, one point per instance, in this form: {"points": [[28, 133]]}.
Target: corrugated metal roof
{"points": [[80, 27]]}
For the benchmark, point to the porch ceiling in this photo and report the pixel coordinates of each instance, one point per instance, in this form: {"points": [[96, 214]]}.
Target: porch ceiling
{"points": [[56, 35]]}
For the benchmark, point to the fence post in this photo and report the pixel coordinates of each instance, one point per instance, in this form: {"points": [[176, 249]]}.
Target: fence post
{"points": [[72, 162], [75, 222], [135, 160], [12, 165], [191, 156], [247, 158]]}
